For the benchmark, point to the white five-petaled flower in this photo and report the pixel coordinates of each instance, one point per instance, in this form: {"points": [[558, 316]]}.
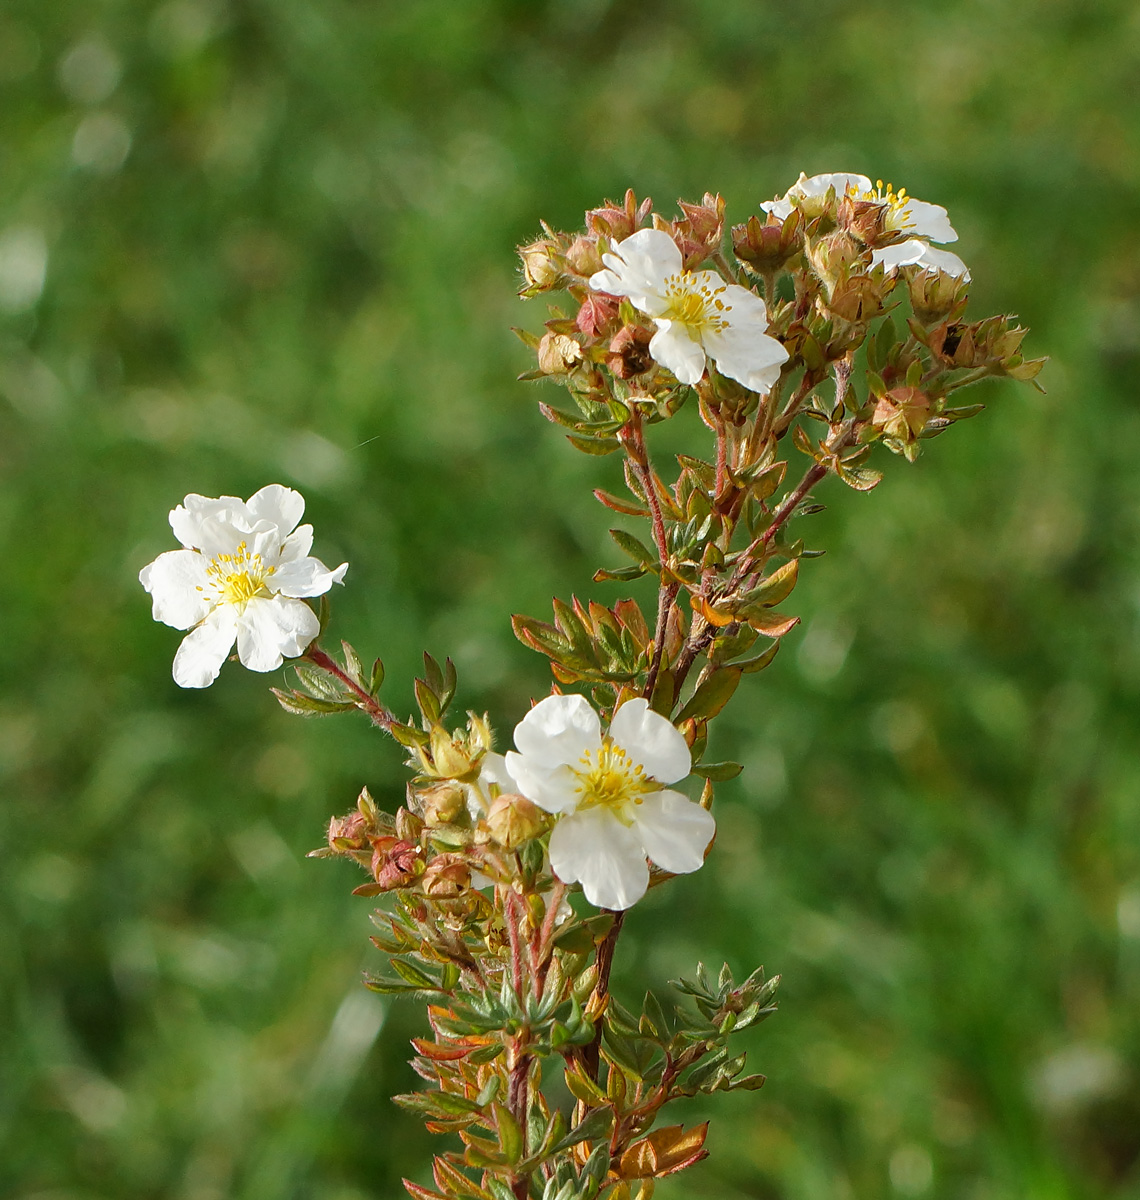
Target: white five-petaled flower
{"points": [[696, 312], [609, 792], [924, 222], [241, 577]]}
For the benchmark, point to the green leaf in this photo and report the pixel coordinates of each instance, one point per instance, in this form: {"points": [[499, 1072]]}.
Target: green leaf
{"points": [[776, 587], [718, 772], [636, 549], [308, 706], [413, 974], [377, 677], [712, 695], [510, 1134], [593, 445]]}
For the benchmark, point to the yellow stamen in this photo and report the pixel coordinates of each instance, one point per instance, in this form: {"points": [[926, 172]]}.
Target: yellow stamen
{"points": [[696, 306], [239, 577], [610, 779]]}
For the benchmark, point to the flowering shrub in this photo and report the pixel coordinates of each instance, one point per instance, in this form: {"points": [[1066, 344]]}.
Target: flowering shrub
{"points": [[832, 325]]}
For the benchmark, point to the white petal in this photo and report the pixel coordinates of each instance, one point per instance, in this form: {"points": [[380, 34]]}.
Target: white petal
{"points": [[914, 252], [595, 849], [494, 770], [674, 831], [927, 221], [559, 729], [297, 544], [270, 630], [651, 740], [179, 587], [307, 577], [195, 521], [554, 788], [674, 348], [280, 505], [645, 257], [200, 657], [745, 353], [901, 254]]}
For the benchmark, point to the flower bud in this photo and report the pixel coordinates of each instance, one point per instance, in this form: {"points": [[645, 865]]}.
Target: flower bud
{"points": [[629, 352], [395, 862], [699, 234], [934, 295], [616, 222], [441, 803], [513, 819], [558, 354], [583, 256], [859, 298], [348, 833], [769, 246], [597, 314], [542, 266], [902, 413], [446, 876], [836, 257]]}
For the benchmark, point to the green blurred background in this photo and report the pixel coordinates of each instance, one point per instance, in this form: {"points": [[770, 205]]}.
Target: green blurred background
{"points": [[255, 241]]}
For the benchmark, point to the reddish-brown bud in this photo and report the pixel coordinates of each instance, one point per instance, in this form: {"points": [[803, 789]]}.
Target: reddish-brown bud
{"points": [[348, 833], [629, 352], [583, 256], [395, 862], [597, 315], [446, 876], [616, 222], [767, 247]]}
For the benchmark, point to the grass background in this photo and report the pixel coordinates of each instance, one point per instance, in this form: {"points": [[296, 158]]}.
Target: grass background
{"points": [[277, 244]]}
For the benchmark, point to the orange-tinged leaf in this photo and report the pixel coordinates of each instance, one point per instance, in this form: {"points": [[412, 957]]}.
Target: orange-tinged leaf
{"points": [[772, 624]]}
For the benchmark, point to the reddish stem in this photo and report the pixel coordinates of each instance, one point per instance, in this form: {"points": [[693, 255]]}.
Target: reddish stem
{"points": [[379, 714]]}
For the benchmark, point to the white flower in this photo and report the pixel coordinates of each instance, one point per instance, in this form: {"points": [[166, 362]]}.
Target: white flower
{"points": [[914, 252], [696, 312], [608, 793], [240, 578], [904, 213]]}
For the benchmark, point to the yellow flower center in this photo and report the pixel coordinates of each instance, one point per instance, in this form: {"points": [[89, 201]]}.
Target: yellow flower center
{"points": [[611, 779], [239, 577], [695, 305], [896, 203]]}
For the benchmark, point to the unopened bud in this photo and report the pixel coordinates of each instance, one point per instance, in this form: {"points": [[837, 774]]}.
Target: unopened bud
{"points": [[558, 354], [767, 247], [542, 266], [583, 256], [836, 257], [598, 314], [934, 295], [441, 803], [348, 833], [859, 298], [699, 234], [513, 819], [617, 222], [446, 876]]}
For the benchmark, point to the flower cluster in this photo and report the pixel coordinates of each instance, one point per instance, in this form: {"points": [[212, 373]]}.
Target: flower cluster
{"points": [[827, 323]]}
